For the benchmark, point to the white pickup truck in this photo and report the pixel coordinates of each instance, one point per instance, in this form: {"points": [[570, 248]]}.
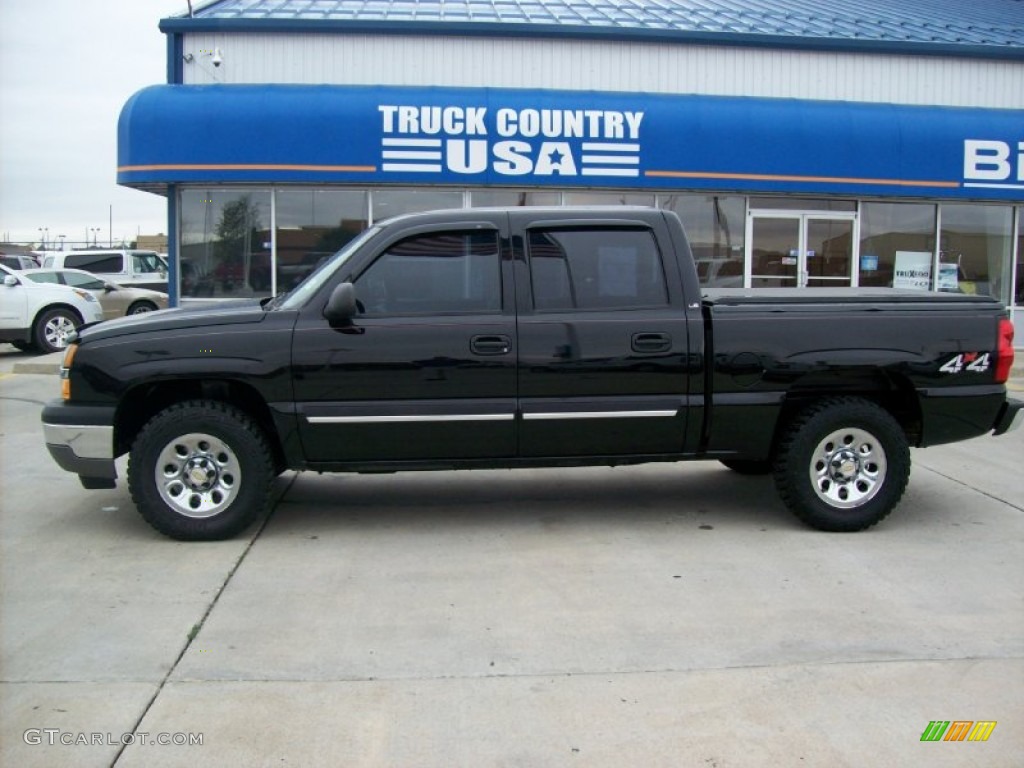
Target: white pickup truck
{"points": [[38, 315]]}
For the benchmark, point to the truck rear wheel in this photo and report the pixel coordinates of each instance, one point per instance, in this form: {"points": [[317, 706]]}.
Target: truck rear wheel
{"points": [[843, 464], [200, 471]]}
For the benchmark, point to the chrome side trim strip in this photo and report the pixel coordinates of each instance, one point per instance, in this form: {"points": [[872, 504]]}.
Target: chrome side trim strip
{"points": [[599, 415], [408, 419]]}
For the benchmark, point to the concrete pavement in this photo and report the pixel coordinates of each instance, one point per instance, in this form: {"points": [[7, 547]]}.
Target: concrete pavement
{"points": [[658, 615]]}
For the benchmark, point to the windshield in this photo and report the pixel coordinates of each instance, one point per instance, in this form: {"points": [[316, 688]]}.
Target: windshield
{"points": [[148, 261], [305, 290]]}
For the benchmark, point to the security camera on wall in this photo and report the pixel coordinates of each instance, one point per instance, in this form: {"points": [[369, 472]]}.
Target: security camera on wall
{"points": [[217, 58]]}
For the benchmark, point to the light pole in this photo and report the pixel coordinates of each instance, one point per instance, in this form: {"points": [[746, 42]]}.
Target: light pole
{"points": [[61, 241], [95, 233], [44, 236]]}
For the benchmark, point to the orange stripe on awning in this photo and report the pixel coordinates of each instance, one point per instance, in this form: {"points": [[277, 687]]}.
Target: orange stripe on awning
{"points": [[813, 179], [251, 167]]}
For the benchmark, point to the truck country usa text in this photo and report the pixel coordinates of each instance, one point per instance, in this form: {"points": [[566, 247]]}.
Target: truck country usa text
{"points": [[543, 142]]}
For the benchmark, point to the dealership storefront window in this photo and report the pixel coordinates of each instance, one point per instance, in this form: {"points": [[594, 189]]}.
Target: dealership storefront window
{"points": [[888, 229], [1018, 293], [975, 247], [243, 242], [715, 228], [225, 242], [507, 198], [313, 224], [386, 203]]}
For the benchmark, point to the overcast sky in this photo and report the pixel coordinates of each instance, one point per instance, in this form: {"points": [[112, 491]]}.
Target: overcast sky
{"points": [[66, 69]]}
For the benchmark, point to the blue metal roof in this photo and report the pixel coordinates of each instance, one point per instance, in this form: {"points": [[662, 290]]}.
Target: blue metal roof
{"points": [[926, 25]]}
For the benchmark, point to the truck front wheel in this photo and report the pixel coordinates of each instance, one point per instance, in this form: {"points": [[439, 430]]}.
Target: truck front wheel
{"points": [[200, 471], [843, 464]]}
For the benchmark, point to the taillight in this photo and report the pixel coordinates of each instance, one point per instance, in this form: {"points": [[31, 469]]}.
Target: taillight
{"points": [[1004, 351], [65, 371]]}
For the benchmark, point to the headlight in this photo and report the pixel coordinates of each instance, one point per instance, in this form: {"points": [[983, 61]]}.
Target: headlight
{"points": [[85, 295]]}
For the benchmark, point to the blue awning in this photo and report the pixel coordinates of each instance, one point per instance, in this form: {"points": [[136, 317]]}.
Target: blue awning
{"points": [[467, 137]]}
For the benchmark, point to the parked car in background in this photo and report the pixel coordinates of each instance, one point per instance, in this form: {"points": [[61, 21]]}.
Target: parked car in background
{"points": [[194, 281], [117, 300], [40, 316], [18, 261], [138, 269], [720, 273]]}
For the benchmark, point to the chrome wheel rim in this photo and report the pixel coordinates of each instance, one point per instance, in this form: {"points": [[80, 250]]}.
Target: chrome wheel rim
{"points": [[198, 475], [848, 468], [56, 331]]}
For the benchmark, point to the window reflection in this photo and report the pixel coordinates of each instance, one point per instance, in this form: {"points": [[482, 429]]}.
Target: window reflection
{"points": [[225, 243], [975, 248], [394, 202], [505, 198], [607, 198], [714, 225], [313, 224]]}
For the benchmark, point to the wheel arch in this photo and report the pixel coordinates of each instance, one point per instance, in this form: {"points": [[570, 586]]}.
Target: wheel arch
{"points": [[59, 305], [893, 392], [142, 303], [139, 404]]}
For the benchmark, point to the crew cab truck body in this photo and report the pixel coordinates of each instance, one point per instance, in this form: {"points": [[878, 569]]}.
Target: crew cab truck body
{"points": [[528, 337]]}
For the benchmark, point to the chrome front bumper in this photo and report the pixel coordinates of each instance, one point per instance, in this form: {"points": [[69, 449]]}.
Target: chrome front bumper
{"points": [[86, 449]]}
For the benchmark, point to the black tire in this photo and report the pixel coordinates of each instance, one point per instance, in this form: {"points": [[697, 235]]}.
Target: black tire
{"points": [[749, 466], [141, 306], [201, 471], [843, 464], [51, 329]]}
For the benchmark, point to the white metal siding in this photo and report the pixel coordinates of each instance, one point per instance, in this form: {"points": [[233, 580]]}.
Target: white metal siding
{"points": [[603, 66]]}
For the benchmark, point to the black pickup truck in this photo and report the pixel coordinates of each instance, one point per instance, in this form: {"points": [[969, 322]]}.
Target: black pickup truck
{"points": [[528, 337]]}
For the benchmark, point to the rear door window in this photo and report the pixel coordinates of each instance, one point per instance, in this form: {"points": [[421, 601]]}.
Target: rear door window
{"points": [[596, 268]]}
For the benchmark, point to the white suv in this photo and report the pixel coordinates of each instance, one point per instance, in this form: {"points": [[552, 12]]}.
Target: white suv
{"points": [[42, 315], [132, 269]]}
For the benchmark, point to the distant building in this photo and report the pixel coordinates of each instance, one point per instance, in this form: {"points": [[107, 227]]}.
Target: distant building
{"points": [[13, 249], [156, 243], [803, 143]]}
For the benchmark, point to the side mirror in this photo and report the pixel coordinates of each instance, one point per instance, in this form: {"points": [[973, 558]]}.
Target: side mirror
{"points": [[10, 281], [342, 306]]}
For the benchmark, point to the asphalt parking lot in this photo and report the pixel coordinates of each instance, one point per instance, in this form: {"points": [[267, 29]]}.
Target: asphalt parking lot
{"points": [[662, 615]]}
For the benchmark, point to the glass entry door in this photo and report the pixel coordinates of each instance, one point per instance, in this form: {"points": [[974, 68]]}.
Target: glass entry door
{"points": [[799, 250]]}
